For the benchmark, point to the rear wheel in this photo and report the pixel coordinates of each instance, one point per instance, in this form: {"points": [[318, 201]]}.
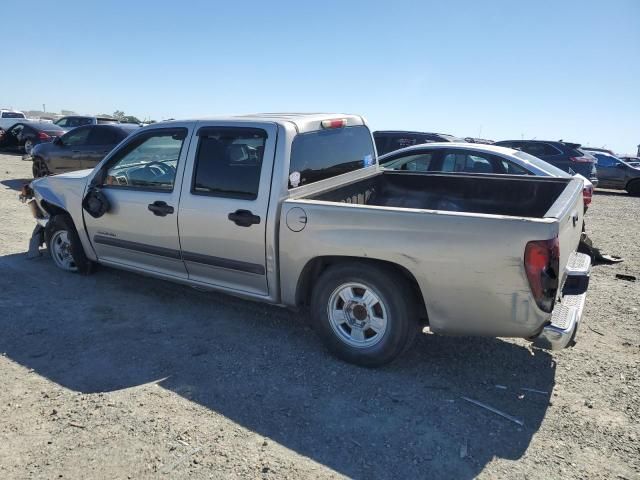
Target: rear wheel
{"points": [[39, 168], [365, 314], [28, 146], [65, 247], [633, 188]]}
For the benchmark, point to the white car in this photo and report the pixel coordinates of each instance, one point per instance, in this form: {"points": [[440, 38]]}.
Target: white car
{"points": [[8, 118], [472, 158]]}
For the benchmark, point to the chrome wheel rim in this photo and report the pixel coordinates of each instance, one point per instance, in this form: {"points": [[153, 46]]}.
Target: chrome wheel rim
{"points": [[61, 251], [357, 315], [28, 146]]}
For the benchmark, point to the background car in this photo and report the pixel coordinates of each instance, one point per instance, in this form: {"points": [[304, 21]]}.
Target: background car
{"points": [[474, 158], [8, 118], [633, 161], [82, 147], [391, 140], [613, 172], [73, 121], [564, 155], [26, 135]]}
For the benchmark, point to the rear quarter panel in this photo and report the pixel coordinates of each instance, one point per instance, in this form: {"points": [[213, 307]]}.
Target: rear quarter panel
{"points": [[469, 267]]}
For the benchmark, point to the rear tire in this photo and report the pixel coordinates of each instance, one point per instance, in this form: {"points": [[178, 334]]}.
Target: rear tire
{"points": [[28, 146], [65, 247], [633, 188], [365, 314], [39, 168]]}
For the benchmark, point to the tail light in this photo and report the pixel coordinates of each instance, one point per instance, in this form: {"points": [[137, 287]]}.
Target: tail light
{"points": [[581, 159], [43, 136], [587, 195], [541, 263]]}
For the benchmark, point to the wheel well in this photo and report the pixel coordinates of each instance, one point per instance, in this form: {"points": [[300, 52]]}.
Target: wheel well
{"points": [[52, 209], [315, 267], [632, 183]]}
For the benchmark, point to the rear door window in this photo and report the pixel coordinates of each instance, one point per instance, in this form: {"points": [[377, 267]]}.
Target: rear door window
{"points": [[104, 136], [229, 162], [327, 153], [471, 162], [76, 137], [419, 162]]}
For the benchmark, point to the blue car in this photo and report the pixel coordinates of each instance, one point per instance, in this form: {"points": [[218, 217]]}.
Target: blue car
{"points": [[614, 172]]}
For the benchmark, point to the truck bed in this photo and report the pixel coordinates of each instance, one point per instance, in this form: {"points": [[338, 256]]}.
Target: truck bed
{"points": [[499, 195]]}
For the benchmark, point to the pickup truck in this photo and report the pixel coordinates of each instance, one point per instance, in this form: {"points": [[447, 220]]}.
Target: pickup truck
{"points": [[293, 210], [8, 118]]}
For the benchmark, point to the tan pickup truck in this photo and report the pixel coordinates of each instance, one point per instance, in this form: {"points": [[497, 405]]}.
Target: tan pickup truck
{"points": [[292, 209]]}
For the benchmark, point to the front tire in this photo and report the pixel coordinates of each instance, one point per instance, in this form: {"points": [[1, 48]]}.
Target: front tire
{"points": [[39, 168], [365, 314], [65, 247], [633, 188]]}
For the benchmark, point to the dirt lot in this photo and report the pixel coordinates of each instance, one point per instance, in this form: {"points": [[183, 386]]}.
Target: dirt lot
{"points": [[121, 376]]}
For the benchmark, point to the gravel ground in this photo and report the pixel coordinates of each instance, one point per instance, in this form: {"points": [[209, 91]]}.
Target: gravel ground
{"points": [[121, 376]]}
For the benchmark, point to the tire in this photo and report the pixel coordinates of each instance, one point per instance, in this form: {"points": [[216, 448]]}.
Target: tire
{"points": [[633, 188], [65, 247], [28, 146], [377, 323], [39, 168]]}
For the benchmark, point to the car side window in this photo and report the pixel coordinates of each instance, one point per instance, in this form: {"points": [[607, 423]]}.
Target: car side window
{"points": [[605, 161], [511, 168], [64, 122], [76, 137], [148, 162], [229, 162], [413, 163], [468, 163], [103, 136]]}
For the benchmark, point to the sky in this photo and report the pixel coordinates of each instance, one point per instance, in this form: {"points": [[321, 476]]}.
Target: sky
{"points": [[493, 69]]}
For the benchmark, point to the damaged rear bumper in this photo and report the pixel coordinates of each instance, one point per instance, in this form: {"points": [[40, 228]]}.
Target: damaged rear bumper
{"points": [[566, 316]]}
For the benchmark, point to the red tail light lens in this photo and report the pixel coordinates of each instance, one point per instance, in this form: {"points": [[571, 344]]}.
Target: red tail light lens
{"points": [[43, 136], [581, 159], [587, 195], [541, 263]]}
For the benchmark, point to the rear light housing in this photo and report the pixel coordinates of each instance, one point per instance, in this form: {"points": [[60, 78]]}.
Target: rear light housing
{"points": [[581, 159], [542, 265], [334, 123], [587, 195], [43, 136]]}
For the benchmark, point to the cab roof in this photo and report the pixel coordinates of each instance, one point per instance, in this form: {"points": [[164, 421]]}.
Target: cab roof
{"points": [[303, 122]]}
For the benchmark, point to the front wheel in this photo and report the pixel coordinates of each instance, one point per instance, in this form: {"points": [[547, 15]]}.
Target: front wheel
{"points": [[39, 168], [633, 188], [65, 247], [365, 314]]}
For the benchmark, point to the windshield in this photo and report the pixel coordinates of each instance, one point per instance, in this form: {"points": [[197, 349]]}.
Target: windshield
{"points": [[327, 153], [540, 164]]}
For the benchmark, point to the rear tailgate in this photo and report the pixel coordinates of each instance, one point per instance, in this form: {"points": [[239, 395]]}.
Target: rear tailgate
{"points": [[569, 210]]}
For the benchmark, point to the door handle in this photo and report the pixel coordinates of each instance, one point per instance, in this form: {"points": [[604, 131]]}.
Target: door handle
{"points": [[160, 209], [244, 218]]}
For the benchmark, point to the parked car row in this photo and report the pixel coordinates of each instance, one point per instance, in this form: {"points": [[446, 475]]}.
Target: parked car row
{"points": [[600, 166], [294, 210]]}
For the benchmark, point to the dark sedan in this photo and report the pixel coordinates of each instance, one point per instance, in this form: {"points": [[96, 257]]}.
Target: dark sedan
{"points": [[80, 148], [27, 135]]}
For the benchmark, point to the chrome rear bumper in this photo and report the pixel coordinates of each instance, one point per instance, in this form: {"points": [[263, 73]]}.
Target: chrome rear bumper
{"points": [[567, 314]]}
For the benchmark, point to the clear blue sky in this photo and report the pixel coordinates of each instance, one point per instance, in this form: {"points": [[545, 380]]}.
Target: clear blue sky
{"points": [[496, 69]]}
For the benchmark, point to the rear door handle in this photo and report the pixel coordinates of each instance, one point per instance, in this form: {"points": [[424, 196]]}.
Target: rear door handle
{"points": [[160, 209], [244, 218]]}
